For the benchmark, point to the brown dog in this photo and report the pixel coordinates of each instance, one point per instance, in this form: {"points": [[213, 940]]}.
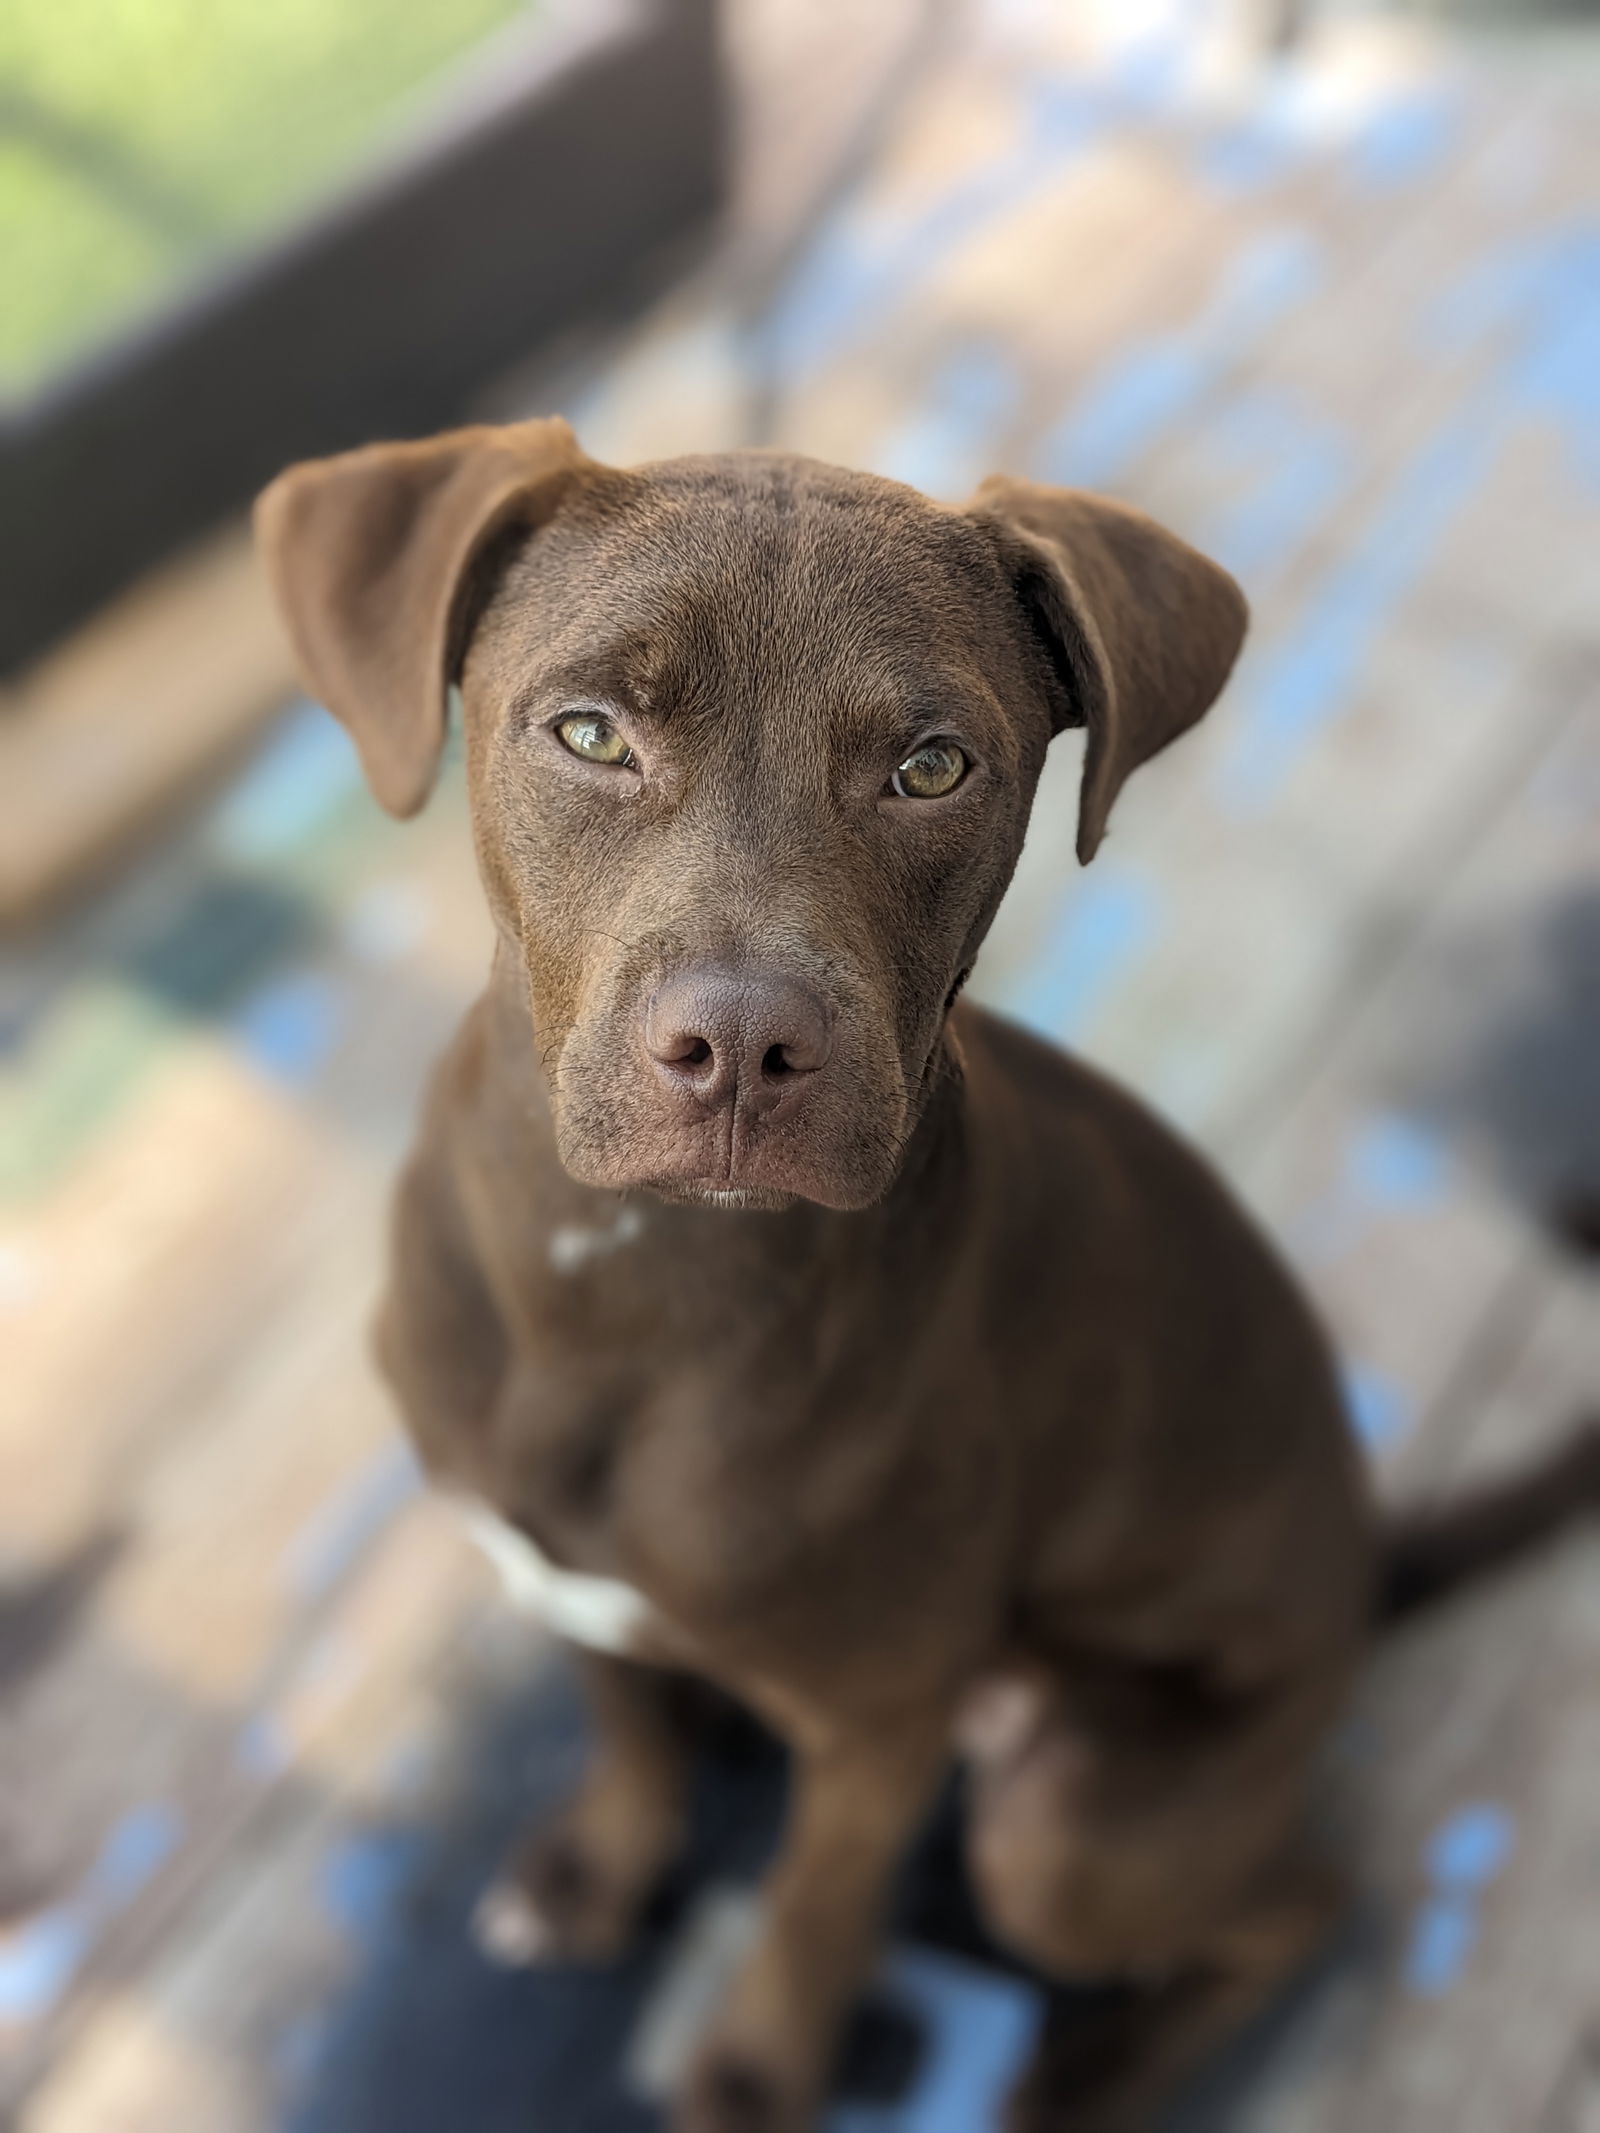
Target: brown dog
{"points": [[780, 1321]]}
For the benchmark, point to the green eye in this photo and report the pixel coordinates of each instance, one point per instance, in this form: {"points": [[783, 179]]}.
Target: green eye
{"points": [[937, 767], [592, 735]]}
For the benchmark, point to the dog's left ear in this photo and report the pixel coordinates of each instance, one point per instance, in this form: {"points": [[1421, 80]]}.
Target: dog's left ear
{"points": [[1139, 629]]}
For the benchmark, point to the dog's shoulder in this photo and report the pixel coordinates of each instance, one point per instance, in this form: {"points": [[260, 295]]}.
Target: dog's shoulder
{"points": [[1076, 1158], [1010, 1070]]}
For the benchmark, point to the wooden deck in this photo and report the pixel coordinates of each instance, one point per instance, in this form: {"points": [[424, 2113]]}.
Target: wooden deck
{"points": [[1337, 318]]}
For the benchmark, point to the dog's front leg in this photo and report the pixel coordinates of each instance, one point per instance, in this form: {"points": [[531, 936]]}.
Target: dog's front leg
{"points": [[858, 1794], [574, 1886]]}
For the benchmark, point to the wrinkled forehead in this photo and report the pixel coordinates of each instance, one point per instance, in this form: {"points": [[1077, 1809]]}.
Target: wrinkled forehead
{"points": [[759, 582]]}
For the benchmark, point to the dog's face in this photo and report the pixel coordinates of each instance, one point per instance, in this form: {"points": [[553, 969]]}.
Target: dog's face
{"points": [[751, 747], [752, 743]]}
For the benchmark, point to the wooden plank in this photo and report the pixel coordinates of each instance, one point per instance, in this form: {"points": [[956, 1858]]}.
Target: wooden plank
{"points": [[337, 1717], [121, 722], [1468, 1797], [1217, 998], [1394, 1175], [192, 1288]]}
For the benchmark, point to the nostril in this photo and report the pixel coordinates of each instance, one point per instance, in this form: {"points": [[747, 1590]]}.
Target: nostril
{"points": [[792, 1057], [682, 1050]]}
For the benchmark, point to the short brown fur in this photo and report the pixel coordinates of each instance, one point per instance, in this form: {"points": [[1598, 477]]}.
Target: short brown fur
{"points": [[943, 1398]]}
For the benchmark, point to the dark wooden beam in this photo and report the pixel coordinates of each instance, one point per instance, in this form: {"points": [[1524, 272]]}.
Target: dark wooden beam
{"points": [[575, 157]]}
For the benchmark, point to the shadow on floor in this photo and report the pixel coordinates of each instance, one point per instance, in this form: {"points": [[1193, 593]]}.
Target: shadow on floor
{"points": [[1510, 1059]]}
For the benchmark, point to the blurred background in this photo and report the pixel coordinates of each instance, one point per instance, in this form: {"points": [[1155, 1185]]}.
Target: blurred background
{"points": [[1317, 284]]}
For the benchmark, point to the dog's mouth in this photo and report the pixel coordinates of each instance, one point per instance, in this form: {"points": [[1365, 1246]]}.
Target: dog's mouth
{"points": [[844, 1171], [730, 1199]]}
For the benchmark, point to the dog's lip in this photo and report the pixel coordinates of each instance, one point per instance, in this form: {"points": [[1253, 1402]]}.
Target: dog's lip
{"points": [[773, 1194], [747, 1199]]}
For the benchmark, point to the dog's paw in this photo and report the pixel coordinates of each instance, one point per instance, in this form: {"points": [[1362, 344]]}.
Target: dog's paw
{"points": [[508, 1931], [730, 2092], [556, 1903]]}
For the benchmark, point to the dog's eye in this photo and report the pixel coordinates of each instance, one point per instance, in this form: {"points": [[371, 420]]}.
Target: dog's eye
{"points": [[934, 769], [592, 735]]}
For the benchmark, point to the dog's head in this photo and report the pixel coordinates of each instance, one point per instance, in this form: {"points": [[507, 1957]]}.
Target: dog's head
{"points": [[751, 743]]}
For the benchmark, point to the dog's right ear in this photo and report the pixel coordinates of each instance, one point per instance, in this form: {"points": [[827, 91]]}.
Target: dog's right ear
{"points": [[371, 556]]}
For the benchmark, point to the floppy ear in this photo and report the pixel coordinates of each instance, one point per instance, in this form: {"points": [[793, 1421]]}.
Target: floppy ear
{"points": [[1140, 629], [371, 557]]}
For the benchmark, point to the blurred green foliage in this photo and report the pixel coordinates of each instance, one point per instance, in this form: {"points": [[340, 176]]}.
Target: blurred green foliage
{"points": [[142, 139]]}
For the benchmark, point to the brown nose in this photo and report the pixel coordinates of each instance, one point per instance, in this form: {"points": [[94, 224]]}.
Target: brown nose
{"points": [[725, 1036]]}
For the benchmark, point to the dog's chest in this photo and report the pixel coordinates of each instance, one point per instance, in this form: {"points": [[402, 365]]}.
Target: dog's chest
{"points": [[600, 1612]]}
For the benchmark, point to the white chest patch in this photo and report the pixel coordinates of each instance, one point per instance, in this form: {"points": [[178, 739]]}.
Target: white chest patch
{"points": [[602, 1612], [572, 1247]]}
